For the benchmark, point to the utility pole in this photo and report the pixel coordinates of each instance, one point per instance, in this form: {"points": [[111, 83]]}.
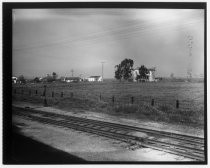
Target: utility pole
{"points": [[80, 77], [189, 68], [102, 63], [72, 72]]}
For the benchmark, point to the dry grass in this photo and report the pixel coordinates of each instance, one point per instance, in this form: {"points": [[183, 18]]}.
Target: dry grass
{"points": [[86, 96]]}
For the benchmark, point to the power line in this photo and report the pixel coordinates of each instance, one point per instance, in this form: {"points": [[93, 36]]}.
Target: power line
{"points": [[72, 72], [100, 35]]}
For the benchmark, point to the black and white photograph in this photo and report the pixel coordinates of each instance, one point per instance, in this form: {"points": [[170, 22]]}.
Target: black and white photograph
{"points": [[107, 83]]}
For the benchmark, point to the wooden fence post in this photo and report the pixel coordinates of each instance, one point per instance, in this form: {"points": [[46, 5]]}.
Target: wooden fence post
{"points": [[113, 99], [177, 104], [132, 100], [153, 102], [44, 94]]}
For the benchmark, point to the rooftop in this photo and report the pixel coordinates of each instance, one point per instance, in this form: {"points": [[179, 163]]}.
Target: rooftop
{"points": [[94, 76]]}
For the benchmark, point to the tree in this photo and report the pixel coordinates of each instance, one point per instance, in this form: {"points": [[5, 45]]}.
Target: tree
{"points": [[36, 80], [118, 74], [21, 79], [54, 75], [49, 78], [172, 75], [124, 69], [143, 71]]}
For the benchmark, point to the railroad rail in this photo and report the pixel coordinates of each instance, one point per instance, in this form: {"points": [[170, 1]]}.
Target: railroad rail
{"points": [[178, 144]]}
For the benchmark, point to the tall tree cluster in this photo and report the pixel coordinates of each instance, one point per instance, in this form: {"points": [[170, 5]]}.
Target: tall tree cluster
{"points": [[143, 71], [124, 69], [21, 79]]}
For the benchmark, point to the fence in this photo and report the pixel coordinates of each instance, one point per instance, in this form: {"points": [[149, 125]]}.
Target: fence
{"points": [[47, 94]]}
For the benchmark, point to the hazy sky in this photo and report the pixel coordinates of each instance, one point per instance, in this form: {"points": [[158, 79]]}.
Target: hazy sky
{"points": [[58, 40]]}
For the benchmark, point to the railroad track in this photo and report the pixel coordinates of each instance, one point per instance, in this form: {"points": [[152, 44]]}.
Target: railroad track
{"points": [[181, 145]]}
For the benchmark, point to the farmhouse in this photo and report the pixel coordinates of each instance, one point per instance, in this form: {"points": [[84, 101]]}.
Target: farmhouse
{"points": [[150, 76], [14, 79], [72, 79], [94, 79], [135, 74]]}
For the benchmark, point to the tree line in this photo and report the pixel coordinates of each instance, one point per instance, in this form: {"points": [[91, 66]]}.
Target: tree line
{"points": [[49, 78]]}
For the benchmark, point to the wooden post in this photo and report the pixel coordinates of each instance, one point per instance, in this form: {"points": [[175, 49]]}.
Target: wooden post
{"points": [[44, 94], [36, 92], [132, 100], [113, 99], [177, 104], [61, 94], [153, 102]]}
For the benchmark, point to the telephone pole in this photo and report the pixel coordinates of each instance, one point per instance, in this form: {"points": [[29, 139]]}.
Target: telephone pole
{"points": [[72, 72], [102, 73], [189, 68]]}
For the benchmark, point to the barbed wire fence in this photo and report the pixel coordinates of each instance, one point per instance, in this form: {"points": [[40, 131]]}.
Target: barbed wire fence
{"points": [[59, 94]]}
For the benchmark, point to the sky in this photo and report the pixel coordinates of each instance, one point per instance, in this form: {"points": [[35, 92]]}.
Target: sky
{"points": [[61, 40]]}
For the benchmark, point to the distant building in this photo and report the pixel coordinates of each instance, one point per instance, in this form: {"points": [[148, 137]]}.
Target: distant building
{"points": [[43, 79], [135, 74], [14, 79], [94, 79], [150, 76], [72, 79], [62, 79], [36, 80]]}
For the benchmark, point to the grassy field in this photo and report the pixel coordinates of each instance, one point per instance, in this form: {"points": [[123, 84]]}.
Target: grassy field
{"points": [[99, 97]]}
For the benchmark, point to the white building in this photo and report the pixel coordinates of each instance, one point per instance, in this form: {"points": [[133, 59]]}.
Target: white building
{"points": [[14, 79], [72, 79], [135, 74], [94, 79], [151, 75]]}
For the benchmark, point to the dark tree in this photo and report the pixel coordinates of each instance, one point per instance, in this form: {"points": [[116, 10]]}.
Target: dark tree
{"points": [[172, 75], [54, 75], [36, 80], [124, 69], [21, 79], [49, 78], [118, 74], [143, 71]]}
